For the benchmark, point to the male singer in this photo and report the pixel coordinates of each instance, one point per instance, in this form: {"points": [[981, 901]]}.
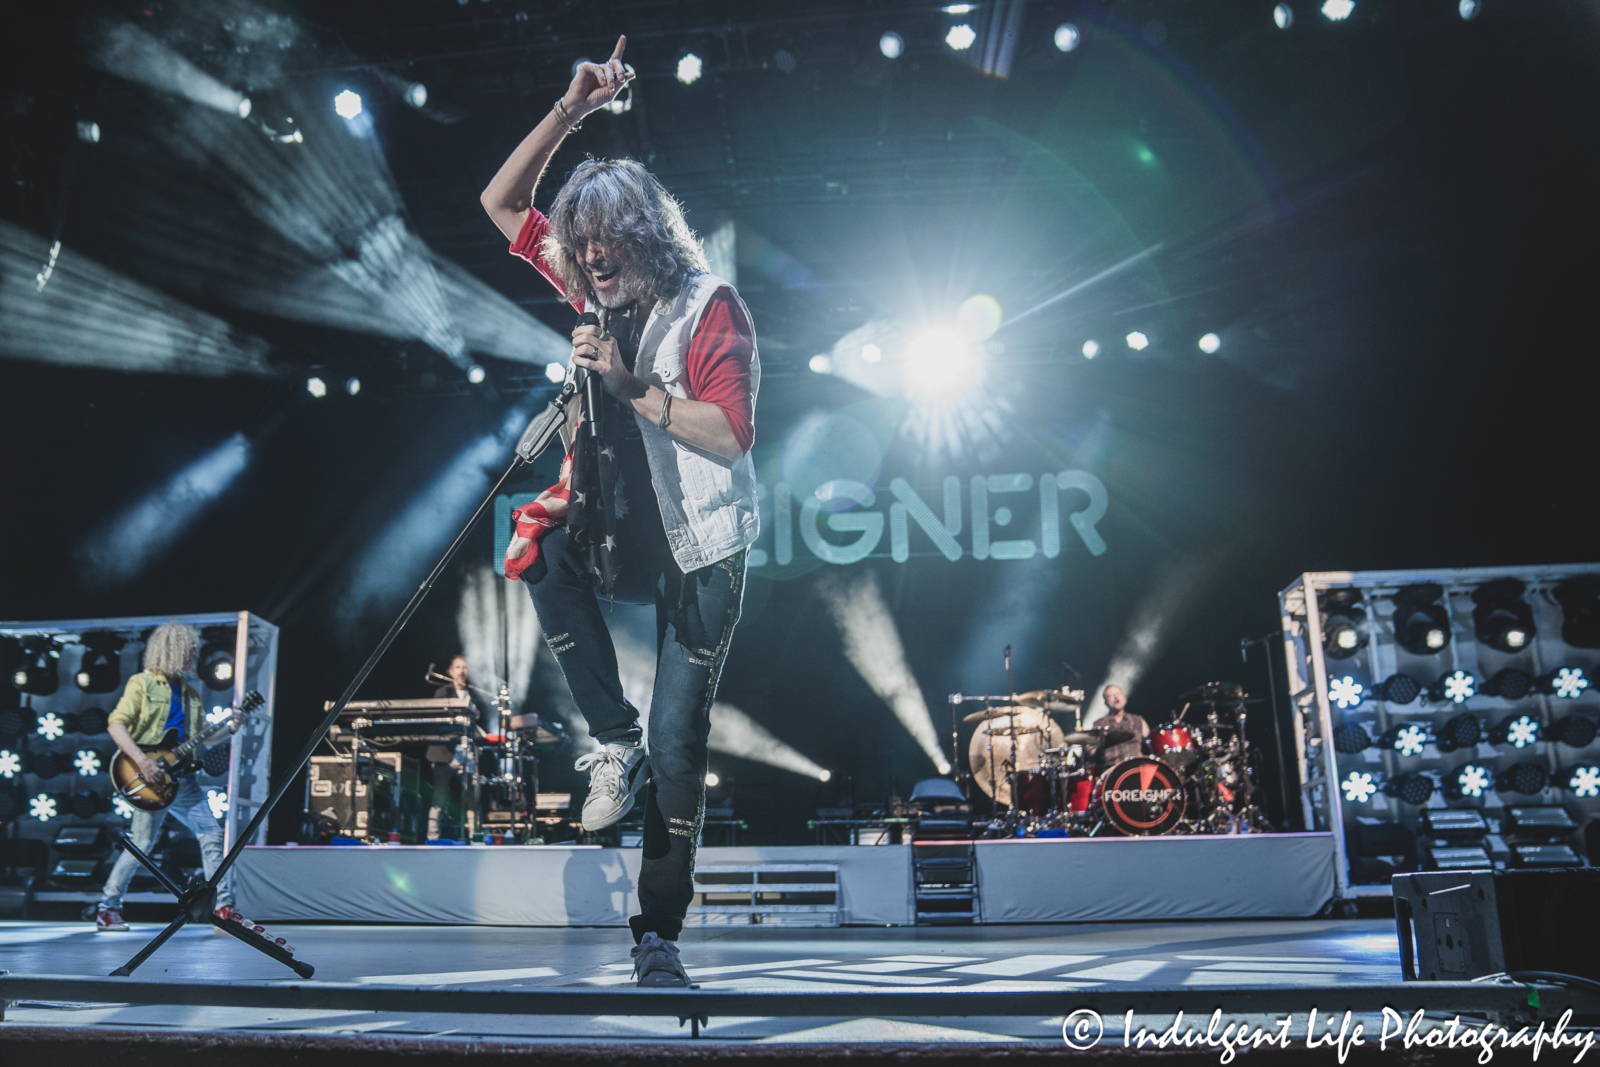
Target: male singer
{"points": [[657, 500]]}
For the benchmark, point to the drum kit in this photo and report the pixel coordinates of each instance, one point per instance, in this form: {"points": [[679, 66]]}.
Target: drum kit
{"points": [[1051, 778]]}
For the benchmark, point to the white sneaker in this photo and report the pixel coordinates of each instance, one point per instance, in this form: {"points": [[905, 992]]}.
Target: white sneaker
{"points": [[616, 774]]}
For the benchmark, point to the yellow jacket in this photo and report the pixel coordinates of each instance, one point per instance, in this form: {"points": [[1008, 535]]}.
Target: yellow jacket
{"points": [[145, 703]]}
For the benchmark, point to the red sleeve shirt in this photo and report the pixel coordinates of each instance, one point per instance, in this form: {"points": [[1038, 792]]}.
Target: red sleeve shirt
{"points": [[716, 368]]}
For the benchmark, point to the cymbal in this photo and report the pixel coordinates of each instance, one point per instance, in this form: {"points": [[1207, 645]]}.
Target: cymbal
{"points": [[1099, 736], [990, 713], [1050, 699]]}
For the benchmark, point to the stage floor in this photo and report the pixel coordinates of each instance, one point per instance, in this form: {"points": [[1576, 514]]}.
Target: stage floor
{"points": [[1198, 955]]}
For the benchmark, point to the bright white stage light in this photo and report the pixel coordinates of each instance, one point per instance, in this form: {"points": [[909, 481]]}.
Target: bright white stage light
{"points": [[1522, 731], [556, 372], [352, 386], [1345, 692], [347, 105], [1469, 8], [476, 374], [51, 726], [1210, 343], [1584, 782], [734, 733], [417, 95], [1411, 740], [825, 776], [218, 713], [1515, 638], [1138, 341], [123, 49], [89, 132], [245, 107], [1569, 683], [123, 809], [10, 764], [1338, 10], [1358, 787], [820, 364], [1283, 15], [1460, 686], [1091, 349], [871, 353], [1067, 37], [944, 363], [891, 45], [87, 762], [712, 781], [217, 799], [960, 37], [1473, 780], [42, 807], [689, 69], [960, 9], [317, 387], [872, 645]]}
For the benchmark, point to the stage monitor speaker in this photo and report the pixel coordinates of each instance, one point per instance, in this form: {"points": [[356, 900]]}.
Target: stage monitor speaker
{"points": [[1463, 925]]}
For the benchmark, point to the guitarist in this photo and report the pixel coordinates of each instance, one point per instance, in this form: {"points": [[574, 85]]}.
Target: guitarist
{"points": [[158, 699]]}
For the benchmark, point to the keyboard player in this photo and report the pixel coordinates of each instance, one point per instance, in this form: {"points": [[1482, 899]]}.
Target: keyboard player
{"points": [[446, 809]]}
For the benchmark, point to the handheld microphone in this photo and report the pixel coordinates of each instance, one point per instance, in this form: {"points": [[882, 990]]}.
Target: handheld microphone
{"points": [[590, 400]]}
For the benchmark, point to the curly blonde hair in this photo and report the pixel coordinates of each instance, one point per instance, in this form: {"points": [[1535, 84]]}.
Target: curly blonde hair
{"points": [[171, 649]]}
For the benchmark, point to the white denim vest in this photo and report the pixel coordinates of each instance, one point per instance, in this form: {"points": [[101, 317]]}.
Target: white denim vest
{"points": [[708, 503]]}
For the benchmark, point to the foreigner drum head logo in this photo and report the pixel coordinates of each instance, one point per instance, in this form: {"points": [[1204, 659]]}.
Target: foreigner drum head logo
{"points": [[1142, 796]]}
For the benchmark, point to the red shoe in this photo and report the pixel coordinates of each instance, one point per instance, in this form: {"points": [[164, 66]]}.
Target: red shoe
{"points": [[109, 920]]}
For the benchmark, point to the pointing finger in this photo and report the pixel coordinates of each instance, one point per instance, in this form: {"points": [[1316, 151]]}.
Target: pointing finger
{"points": [[622, 42]]}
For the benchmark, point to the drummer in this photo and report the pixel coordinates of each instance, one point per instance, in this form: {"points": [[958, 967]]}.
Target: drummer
{"points": [[1118, 717]]}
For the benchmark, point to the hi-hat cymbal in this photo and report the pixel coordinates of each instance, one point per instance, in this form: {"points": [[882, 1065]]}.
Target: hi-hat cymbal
{"points": [[1050, 699], [1098, 736]]}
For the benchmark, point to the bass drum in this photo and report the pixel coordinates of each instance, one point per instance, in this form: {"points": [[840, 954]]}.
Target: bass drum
{"points": [[1142, 797]]}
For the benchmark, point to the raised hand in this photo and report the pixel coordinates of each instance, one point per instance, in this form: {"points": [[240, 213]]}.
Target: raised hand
{"points": [[596, 84]]}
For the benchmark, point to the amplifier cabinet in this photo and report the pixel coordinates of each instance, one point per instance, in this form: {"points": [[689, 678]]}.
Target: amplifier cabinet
{"points": [[366, 797], [1456, 926]]}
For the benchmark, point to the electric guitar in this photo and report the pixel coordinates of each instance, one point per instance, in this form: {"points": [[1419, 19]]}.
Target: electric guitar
{"points": [[175, 760]]}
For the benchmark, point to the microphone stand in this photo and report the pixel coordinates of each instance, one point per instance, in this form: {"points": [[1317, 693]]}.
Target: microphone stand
{"points": [[197, 902]]}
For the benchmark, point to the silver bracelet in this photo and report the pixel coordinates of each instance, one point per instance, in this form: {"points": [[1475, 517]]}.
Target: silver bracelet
{"points": [[564, 117], [666, 410]]}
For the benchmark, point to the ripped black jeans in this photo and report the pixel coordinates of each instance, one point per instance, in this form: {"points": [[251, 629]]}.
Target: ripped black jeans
{"points": [[695, 617]]}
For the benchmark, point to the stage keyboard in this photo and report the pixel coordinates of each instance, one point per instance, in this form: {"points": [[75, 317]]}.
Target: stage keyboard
{"points": [[385, 708]]}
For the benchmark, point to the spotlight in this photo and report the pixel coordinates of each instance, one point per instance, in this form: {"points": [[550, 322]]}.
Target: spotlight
{"points": [[820, 364], [1421, 623], [1398, 689], [1468, 9], [1509, 684], [123, 809], [1468, 780], [891, 45], [244, 107], [476, 374], [556, 372], [99, 670], [1344, 623], [960, 37], [960, 9], [1583, 780], [36, 674], [347, 105], [827, 775], [1407, 739], [689, 69], [352, 386], [42, 807], [1576, 731], [216, 657], [417, 95], [712, 781], [947, 364], [1210, 343], [1138, 341], [1579, 598], [1461, 731], [1345, 692], [1568, 683], [1524, 778], [1358, 787], [1413, 787], [10, 763], [89, 132], [1338, 10], [1456, 687], [1067, 37], [1091, 349], [1351, 738], [1518, 731], [317, 387], [871, 353], [1500, 617], [51, 726], [1283, 15], [87, 762], [217, 800]]}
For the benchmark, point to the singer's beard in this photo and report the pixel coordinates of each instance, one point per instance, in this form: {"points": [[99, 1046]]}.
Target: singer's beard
{"points": [[631, 288]]}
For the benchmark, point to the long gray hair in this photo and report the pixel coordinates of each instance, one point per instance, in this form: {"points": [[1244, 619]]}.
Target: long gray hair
{"points": [[171, 649], [617, 201]]}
